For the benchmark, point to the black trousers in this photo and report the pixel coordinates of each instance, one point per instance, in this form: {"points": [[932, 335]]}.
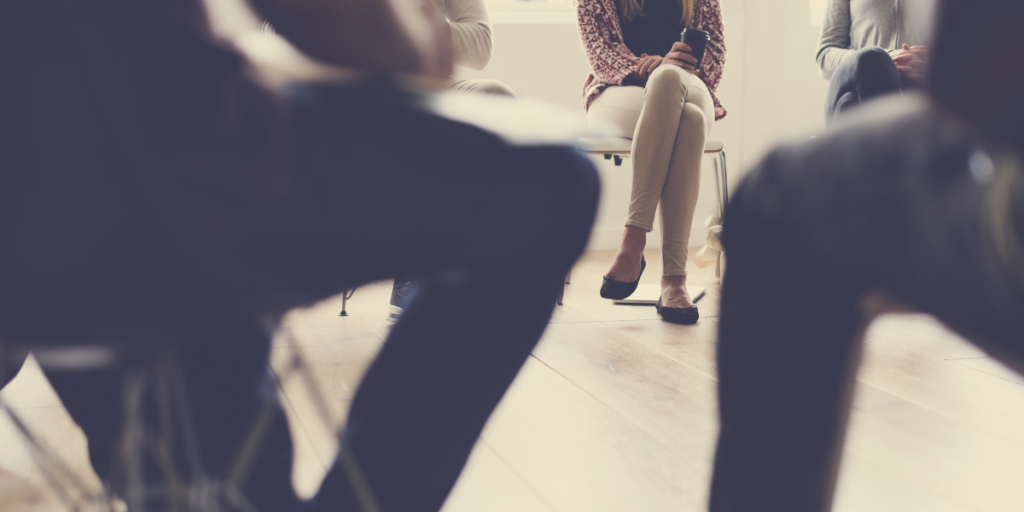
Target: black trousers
{"points": [[868, 73], [889, 206]]}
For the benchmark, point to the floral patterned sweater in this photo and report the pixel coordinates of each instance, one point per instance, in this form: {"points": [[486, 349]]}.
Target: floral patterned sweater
{"points": [[610, 60]]}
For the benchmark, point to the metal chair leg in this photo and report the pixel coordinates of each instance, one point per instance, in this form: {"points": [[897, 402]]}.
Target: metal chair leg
{"points": [[720, 265], [344, 301], [724, 181]]}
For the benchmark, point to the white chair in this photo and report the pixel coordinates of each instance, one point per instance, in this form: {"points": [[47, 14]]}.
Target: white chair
{"points": [[616, 148]]}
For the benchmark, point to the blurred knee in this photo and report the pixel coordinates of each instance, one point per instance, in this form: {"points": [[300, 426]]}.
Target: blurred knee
{"points": [[755, 208], [576, 185], [873, 58], [571, 189]]}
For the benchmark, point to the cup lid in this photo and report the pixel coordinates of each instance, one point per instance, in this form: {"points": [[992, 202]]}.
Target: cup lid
{"points": [[692, 32]]}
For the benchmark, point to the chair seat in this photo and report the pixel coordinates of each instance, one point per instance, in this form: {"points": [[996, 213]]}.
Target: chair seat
{"points": [[622, 145]]}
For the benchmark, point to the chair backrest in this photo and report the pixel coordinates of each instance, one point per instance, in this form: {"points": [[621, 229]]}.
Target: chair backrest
{"points": [[84, 233]]}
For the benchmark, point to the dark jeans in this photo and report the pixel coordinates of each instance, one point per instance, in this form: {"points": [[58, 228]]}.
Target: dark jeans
{"points": [[868, 73], [494, 227], [379, 187], [888, 206]]}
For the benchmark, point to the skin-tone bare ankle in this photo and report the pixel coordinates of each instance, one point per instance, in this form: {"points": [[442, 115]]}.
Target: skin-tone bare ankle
{"points": [[626, 266], [673, 292]]}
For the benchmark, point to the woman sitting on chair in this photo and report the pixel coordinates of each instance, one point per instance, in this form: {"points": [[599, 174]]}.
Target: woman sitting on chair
{"points": [[645, 82]]}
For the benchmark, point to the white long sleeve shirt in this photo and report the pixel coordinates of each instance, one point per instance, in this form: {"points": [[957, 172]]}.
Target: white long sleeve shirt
{"points": [[471, 31]]}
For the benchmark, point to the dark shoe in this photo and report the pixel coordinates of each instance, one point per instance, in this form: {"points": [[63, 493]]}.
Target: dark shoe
{"points": [[682, 316], [402, 293], [617, 290]]}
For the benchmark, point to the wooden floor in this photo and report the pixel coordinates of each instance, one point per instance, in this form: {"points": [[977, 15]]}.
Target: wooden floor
{"points": [[616, 411]]}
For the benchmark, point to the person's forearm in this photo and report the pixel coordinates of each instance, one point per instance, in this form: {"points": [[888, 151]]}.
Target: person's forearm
{"points": [[472, 44], [834, 44], [366, 34], [471, 32]]}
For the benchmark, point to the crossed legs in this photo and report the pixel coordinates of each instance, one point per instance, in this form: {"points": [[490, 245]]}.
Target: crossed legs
{"points": [[869, 73], [669, 120]]}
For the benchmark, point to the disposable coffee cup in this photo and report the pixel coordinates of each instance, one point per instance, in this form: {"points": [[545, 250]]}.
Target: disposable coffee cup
{"points": [[698, 41]]}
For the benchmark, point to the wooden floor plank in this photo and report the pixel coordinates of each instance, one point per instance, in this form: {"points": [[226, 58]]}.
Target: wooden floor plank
{"points": [[991, 404], [583, 456], [669, 401], [30, 388], [489, 484]]}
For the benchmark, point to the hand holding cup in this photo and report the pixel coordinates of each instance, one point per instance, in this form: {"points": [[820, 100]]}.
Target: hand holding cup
{"points": [[680, 56]]}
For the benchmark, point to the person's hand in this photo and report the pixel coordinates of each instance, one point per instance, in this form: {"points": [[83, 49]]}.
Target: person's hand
{"points": [[912, 63], [680, 56], [647, 65]]}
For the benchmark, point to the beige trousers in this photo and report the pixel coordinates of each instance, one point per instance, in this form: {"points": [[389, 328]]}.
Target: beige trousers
{"points": [[668, 120]]}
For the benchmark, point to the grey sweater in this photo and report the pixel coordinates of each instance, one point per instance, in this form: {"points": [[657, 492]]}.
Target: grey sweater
{"points": [[851, 25]]}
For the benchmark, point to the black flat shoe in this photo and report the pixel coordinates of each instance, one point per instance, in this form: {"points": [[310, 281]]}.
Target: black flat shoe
{"points": [[682, 316], [617, 290]]}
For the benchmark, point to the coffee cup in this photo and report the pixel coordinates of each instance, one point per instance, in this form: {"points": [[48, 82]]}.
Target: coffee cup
{"points": [[698, 43]]}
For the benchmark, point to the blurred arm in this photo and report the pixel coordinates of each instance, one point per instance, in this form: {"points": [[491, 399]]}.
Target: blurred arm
{"points": [[471, 32], [391, 36]]}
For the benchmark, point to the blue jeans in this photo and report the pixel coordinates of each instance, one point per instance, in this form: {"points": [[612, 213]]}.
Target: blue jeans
{"points": [[869, 73]]}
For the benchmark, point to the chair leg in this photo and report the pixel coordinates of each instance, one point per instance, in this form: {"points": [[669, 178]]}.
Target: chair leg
{"points": [[344, 301], [724, 180], [718, 184]]}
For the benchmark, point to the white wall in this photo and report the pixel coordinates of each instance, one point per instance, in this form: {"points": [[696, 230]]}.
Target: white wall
{"points": [[770, 87]]}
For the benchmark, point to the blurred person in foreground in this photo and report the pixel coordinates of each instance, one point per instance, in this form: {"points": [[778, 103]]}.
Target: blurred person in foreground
{"points": [[911, 205], [871, 48], [151, 180], [472, 44]]}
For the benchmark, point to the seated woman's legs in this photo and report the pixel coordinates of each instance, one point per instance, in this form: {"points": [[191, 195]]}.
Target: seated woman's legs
{"points": [[888, 207], [670, 121], [869, 73], [386, 189], [679, 194]]}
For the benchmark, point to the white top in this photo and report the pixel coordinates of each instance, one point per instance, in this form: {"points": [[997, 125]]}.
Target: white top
{"points": [[471, 31]]}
